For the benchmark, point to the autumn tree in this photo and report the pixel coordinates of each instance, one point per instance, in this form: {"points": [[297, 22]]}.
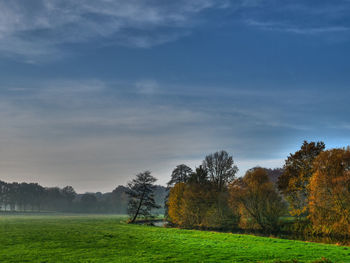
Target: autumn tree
{"points": [[294, 181], [221, 169], [199, 203], [257, 201], [188, 201], [141, 196], [197, 200], [330, 192], [175, 211], [180, 174]]}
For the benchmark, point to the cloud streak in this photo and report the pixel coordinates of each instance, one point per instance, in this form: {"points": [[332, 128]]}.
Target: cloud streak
{"points": [[274, 26], [37, 28], [299, 17]]}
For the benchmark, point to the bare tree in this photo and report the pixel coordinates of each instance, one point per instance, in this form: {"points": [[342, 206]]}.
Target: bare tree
{"points": [[141, 196], [221, 168]]}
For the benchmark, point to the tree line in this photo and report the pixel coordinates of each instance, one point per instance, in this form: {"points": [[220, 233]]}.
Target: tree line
{"points": [[213, 197], [310, 194], [32, 197]]}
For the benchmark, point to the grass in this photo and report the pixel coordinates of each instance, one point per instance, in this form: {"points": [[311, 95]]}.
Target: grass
{"points": [[71, 238]]}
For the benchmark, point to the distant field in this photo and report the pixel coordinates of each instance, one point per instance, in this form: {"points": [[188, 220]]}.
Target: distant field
{"points": [[60, 238]]}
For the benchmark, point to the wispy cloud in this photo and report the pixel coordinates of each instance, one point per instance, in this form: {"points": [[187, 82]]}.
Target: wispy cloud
{"points": [[147, 86], [37, 28], [299, 17], [275, 26]]}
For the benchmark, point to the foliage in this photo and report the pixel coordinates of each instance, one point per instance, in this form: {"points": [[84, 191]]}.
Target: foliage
{"points": [[189, 204], [180, 175], [175, 204], [141, 196], [199, 203], [330, 192], [101, 238], [257, 201], [294, 181]]}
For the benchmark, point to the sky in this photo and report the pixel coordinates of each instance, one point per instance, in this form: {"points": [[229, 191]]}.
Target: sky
{"points": [[94, 91]]}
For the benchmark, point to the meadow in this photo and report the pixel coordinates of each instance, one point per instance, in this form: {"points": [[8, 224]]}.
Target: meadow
{"points": [[106, 238]]}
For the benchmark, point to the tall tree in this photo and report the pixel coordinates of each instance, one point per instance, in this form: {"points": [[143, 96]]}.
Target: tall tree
{"points": [[220, 168], [294, 182], [141, 196], [330, 193], [180, 175]]}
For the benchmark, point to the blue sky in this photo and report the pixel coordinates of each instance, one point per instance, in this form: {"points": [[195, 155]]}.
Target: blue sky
{"points": [[92, 92]]}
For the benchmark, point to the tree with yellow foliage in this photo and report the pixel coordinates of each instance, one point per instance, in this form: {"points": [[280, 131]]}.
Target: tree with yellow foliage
{"points": [[329, 200], [199, 203], [175, 204], [257, 201], [294, 182]]}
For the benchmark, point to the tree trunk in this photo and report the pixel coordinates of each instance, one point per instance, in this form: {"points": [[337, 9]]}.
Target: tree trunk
{"points": [[138, 208]]}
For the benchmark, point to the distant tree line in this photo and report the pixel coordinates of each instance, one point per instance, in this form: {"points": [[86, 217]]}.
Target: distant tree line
{"points": [[312, 188], [26, 197]]}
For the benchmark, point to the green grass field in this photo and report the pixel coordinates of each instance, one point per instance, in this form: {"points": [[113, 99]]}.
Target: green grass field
{"points": [[72, 238]]}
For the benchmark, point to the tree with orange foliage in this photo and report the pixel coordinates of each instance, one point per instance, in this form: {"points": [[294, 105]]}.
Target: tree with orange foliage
{"points": [[257, 201], [198, 203], [188, 203], [175, 204], [329, 201], [180, 174], [187, 198], [294, 181]]}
